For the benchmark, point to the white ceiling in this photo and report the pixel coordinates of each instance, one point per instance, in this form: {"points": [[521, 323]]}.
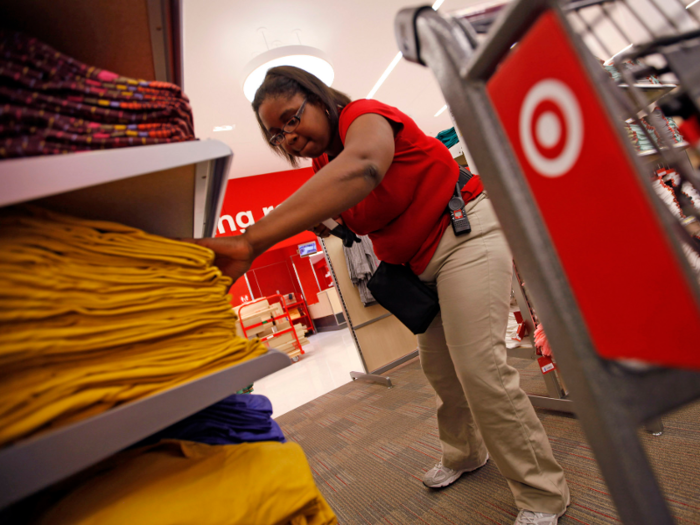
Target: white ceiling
{"points": [[222, 36]]}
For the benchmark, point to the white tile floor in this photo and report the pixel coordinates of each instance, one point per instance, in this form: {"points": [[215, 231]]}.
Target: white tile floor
{"points": [[329, 359]]}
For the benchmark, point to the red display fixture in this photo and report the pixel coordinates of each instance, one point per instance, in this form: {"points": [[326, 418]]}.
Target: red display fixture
{"points": [[271, 320]]}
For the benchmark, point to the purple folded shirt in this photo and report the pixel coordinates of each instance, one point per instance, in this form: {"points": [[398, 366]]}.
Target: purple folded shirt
{"points": [[240, 418]]}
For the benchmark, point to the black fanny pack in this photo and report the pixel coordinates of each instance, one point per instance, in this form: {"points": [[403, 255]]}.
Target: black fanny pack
{"points": [[400, 291]]}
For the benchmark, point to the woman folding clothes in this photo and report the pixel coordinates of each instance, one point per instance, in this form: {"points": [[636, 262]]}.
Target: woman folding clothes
{"points": [[381, 176]]}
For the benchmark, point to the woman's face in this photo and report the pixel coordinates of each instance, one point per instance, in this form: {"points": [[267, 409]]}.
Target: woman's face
{"points": [[312, 136]]}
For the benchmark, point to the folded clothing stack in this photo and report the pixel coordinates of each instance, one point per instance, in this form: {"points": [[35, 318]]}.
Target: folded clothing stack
{"points": [[51, 103], [96, 314], [185, 482], [667, 186], [240, 418], [614, 72], [641, 141]]}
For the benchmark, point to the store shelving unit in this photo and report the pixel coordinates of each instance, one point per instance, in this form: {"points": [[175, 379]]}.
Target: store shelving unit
{"points": [[172, 190]]}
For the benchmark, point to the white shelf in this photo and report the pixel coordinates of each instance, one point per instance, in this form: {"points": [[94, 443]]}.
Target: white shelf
{"points": [[38, 462], [652, 92], [29, 178], [651, 154], [173, 190]]}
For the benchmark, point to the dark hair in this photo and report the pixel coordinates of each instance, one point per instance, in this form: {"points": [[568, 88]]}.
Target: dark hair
{"points": [[288, 81]]}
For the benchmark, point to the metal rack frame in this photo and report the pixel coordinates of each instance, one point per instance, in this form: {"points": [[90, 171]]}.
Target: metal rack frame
{"points": [[612, 400]]}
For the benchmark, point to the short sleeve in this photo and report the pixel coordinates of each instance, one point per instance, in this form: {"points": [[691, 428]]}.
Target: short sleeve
{"points": [[363, 107], [319, 162]]}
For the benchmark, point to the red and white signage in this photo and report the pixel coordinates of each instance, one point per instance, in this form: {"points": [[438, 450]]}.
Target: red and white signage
{"points": [[249, 199], [627, 280]]}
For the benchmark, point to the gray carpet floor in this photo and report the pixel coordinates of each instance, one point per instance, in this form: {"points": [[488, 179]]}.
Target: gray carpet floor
{"points": [[368, 447]]}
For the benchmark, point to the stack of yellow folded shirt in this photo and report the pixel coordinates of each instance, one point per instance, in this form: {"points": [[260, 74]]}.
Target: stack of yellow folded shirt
{"points": [[265, 483], [95, 314]]}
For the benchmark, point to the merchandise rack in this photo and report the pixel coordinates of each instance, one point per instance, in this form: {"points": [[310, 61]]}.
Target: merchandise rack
{"points": [[613, 397], [173, 190], [272, 319], [557, 396], [305, 315]]}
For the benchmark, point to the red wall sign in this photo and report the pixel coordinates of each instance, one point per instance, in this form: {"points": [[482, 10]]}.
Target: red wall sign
{"points": [[249, 199], [624, 274]]}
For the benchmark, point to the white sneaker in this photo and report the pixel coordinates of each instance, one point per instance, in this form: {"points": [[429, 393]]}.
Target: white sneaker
{"points": [[440, 476], [527, 517]]}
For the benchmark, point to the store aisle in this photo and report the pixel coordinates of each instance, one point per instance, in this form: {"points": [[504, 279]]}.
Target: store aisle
{"points": [[329, 359]]}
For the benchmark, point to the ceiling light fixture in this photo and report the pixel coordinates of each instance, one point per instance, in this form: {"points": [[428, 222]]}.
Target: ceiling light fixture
{"points": [[396, 60], [224, 128], [304, 57], [692, 4], [385, 74], [441, 110]]}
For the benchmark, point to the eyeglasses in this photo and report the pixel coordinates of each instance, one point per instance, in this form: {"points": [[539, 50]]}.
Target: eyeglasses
{"points": [[276, 140]]}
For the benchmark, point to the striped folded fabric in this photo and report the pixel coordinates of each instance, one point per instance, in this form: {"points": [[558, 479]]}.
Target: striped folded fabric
{"points": [[96, 314], [51, 103]]}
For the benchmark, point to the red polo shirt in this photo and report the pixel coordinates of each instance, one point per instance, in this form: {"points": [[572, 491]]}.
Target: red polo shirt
{"points": [[405, 215]]}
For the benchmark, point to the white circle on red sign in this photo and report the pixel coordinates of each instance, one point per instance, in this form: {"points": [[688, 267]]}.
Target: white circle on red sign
{"points": [[551, 127]]}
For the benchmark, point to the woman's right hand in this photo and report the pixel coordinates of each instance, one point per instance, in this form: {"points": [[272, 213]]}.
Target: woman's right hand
{"points": [[234, 255], [323, 231]]}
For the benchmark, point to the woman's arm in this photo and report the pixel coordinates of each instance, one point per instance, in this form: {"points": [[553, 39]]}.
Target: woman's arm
{"points": [[341, 184]]}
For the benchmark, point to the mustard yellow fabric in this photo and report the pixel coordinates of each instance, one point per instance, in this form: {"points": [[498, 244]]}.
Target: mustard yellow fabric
{"points": [[180, 482], [95, 314]]}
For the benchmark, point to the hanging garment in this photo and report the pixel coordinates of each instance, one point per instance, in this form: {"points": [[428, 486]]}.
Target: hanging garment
{"points": [[448, 137], [96, 314], [51, 103], [175, 482], [361, 263], [240, 418]]}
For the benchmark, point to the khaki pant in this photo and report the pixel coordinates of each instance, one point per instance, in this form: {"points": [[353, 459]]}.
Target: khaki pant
{"points": [[480, 404]]}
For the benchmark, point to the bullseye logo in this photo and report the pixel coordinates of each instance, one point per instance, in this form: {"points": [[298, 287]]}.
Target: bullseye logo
{"points": [[551, 127]]}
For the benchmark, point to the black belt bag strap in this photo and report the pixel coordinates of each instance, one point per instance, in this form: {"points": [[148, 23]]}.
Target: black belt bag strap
{"points": [[456, 207], [400, 291]]}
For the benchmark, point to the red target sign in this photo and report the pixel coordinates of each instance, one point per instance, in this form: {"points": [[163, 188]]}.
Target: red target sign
{"points": [[551, 127], [618, 260]]}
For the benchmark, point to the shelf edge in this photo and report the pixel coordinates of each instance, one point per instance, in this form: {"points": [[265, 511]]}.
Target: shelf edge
{"points": [[38, 462], [30, 178]]}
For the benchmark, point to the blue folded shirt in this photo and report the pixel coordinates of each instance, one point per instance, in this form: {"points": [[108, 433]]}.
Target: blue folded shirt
{"points": [[240, 418]]}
